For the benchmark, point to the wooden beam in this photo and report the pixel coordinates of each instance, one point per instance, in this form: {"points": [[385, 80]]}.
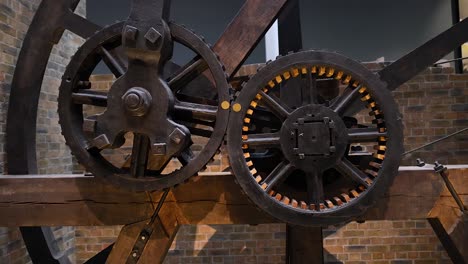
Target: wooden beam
{"points": [[164, 231], [78, 200], [245, 31]]}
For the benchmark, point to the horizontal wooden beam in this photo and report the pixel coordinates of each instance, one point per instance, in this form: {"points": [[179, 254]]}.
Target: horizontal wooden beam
{"points": [[70, 200]]}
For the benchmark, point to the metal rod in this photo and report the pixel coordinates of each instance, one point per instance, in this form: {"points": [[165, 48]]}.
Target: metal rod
{"points": [[146, 232], [449, 61], [158, 208], [436, 141], [442, 170]]}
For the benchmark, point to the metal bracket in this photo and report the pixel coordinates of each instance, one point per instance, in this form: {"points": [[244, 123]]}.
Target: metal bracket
{"points": [[145, 233]]}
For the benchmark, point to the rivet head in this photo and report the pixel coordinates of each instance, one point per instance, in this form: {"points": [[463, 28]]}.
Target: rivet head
{"points": [[237, 108], [225, 105]]}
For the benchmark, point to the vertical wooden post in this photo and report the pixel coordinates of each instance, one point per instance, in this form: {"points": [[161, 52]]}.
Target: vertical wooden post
{"points": [[455, 20], [289, 28], [304, 245]]}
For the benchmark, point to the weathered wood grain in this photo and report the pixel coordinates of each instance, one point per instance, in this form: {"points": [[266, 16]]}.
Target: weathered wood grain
{"points": [[245, 31], [164, 231], [78, 200]]}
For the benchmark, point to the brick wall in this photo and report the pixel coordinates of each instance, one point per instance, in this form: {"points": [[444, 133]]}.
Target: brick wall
{"points": [[53, 155], [435, 104], [381, 242], [384, 242]]}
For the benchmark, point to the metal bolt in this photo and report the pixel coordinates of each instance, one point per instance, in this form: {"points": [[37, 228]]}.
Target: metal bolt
{"points": [[301, 156], [131, 33], [439, 167], [159, 149], [153, 35], [84, 84], [101, 142], [420, 163], [143, 238], [332, 149], [177, 136], [89, 125], [135, 254], [137, 101]]}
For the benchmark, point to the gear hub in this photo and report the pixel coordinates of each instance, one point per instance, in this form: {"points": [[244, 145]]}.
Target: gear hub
{"points": [[137, 101], [313, 138]]}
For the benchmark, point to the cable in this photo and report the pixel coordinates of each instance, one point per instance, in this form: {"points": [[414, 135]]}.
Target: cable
{"points": [[436, 141]]}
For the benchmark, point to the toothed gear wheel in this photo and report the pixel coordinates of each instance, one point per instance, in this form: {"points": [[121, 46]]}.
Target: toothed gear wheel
{"points": [[200, 109], [312, 163]]}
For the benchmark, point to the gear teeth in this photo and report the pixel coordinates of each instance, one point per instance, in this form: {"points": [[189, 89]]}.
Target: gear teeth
{"points": [[323, 70], [65, 131]]}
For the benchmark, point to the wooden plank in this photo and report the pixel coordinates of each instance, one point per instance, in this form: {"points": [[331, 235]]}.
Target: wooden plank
{"points": [[245, 31], [411, 196], [449, 222], [56, 201], [454, 248], [164, 231]]}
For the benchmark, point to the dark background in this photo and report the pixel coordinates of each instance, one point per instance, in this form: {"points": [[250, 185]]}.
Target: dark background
{"points": [[362, 29]]}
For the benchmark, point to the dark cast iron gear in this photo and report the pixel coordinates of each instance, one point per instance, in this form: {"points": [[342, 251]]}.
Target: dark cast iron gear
{"points": [[312, 178], [87, 137]]}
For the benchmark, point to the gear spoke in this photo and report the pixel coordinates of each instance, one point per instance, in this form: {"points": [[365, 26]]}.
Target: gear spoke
{"points": [[80, 25], [191, 112], [315, 192], [275, 105], [196, 100], [89, 97], [187, 73], [195, 129], [140, 153], [345, 167], [267, 140], [343, 102], [309, 90], [114, 62], [278, 175], [365, 135]]}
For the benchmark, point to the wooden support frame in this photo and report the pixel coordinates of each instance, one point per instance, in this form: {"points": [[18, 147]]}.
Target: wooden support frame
{"points": [[76, 200]]}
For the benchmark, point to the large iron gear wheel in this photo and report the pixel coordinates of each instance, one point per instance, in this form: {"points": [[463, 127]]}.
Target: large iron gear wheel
{"points": [[191, 114], [303, 171]]}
